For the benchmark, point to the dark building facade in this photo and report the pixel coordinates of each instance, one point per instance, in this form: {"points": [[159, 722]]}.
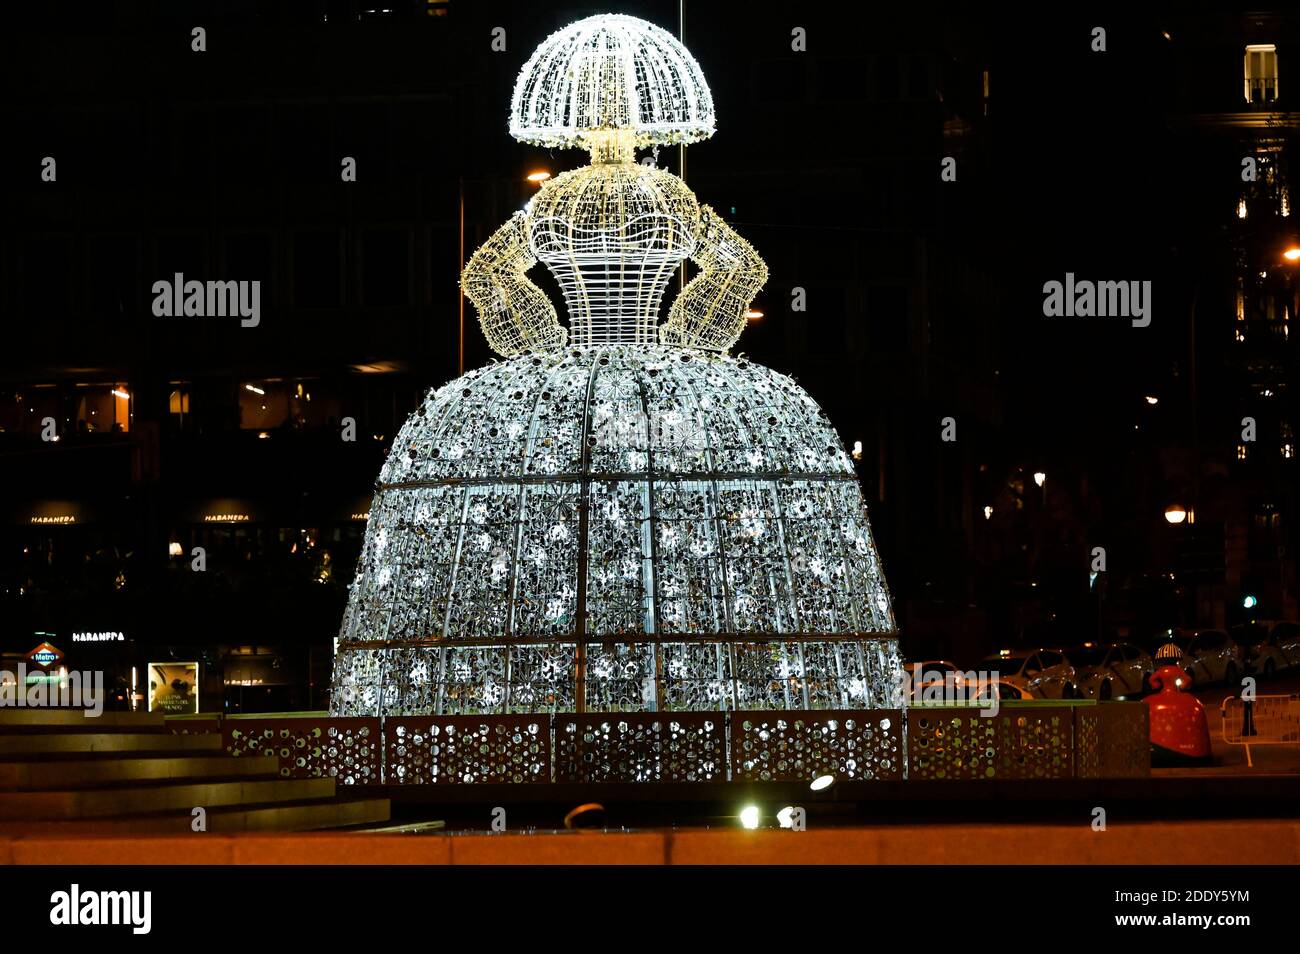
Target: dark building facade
{"points": [[136, 448]]}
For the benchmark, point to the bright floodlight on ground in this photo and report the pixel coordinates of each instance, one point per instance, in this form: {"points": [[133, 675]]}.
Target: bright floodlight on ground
{"points": [[785, 817], [749, 816], [822, 782]]}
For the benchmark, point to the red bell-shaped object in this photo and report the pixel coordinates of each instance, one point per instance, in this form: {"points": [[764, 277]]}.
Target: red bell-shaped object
{"points": [[1179, 731]]}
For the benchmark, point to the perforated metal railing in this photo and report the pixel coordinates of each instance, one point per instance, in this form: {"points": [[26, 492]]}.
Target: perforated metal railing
{"points": [[1035, 741]]}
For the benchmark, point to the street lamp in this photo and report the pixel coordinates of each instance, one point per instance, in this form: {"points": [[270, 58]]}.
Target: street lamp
{"points": [[1175, 513], [1292, 254], [1040, 478]]}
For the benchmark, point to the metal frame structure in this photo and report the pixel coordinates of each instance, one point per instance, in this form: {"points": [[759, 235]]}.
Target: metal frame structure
{"points": [[620, 517]]}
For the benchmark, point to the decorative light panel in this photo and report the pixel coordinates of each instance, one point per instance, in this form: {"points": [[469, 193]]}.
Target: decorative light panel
{"points": [[620, 516]]}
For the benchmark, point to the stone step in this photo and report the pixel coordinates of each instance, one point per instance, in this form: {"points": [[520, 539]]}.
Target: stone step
{"points": [[407, 828], [14, 719], [143, 799], [88, 773], [289, 816], [106, 743]]}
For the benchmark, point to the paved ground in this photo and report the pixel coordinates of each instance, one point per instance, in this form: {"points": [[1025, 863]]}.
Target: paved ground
{"points": [[1260, 841]]}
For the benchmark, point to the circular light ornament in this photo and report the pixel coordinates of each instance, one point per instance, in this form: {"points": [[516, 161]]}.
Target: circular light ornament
{"points": [[611, 72]]}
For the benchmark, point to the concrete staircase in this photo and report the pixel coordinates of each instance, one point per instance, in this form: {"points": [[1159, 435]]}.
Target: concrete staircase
{"points": [[126, 773]]}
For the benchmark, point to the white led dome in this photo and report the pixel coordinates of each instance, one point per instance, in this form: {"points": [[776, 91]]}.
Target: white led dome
{"points": [[611, 72]]}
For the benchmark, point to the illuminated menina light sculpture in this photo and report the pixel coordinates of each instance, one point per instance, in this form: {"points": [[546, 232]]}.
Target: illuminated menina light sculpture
{"points": [[620, 516]]}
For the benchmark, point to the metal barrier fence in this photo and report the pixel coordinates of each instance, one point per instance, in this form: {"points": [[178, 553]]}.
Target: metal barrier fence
{"points": [[1268, 720], [1022, 741]]}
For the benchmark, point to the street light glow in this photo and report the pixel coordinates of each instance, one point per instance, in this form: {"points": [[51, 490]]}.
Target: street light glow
{"points": [[1291, 254], [541, 175], [1175, 513], [1040, 478]]}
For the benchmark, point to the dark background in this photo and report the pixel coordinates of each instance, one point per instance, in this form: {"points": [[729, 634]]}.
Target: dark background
{"points": [[924, 297]]}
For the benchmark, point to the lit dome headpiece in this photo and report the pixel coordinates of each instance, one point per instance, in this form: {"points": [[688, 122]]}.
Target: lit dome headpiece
{"points": [[611, 72]]}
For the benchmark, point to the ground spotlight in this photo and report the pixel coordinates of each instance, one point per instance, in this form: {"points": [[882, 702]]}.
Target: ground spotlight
{"points": [[749, 816], [785, 817]]}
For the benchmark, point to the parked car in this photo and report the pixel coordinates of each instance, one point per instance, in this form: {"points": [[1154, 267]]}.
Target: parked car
{"points": [[1286, 635], [1110, 670], [1208, 656], [1000, 690], [927, 672], [923, 672], [1268, 647], [1042, 673]]}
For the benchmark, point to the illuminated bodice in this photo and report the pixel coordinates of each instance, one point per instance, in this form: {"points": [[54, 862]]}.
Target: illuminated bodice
{"points": [[613, 234]]}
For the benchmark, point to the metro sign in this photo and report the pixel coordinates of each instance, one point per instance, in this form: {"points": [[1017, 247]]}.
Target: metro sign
{"points": [[45, 655]]}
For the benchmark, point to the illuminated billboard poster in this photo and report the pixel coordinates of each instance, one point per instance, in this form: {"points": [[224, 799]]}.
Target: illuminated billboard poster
{"points": [[174, 687]]}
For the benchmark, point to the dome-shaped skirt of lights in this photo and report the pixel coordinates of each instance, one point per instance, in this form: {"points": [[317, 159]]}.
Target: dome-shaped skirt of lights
{"points": [[611, 72], [668, 529]]}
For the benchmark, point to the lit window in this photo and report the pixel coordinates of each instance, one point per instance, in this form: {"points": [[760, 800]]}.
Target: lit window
{"points": [[1261, 73]]}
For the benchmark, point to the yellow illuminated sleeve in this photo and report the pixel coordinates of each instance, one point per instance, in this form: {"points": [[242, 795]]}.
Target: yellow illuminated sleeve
{"points": [[514, 313], [710, 311]]}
